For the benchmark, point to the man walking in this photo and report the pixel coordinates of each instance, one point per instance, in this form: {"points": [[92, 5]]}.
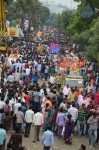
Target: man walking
{"points": [[48, 139], [80, 120], [29, 120], [37, 122], [2, 137], [93, 123]]}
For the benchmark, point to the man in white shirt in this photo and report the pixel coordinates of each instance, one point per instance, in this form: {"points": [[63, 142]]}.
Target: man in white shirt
{"points": [[89, 88], [2, 103], [11, 104], [73, 111], [52, 79], [63, 105], [37, 122], [29, 120], [80, 99], [66, 90], [27, 71], [16, 106], [17, 76]]}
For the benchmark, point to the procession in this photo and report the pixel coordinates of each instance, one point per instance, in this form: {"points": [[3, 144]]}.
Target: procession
{"points": [[49, 93]]}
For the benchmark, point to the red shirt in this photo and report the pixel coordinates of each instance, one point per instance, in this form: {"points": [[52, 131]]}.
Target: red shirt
{"points": [[28, 99], [26, 65]]}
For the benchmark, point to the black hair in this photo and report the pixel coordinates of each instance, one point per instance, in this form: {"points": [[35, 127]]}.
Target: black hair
{"points": [[1, 125], [9, 145], [83, 147]]}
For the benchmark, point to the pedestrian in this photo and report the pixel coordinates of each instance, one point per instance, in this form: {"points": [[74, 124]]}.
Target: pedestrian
{"points": [[60, 121], [74, 112], [16, 139], [93, 126], [35, 78], [9, 146], [68, 129], [80, 120], [38, 121], [48, 139], [20, 118], [3, 136], [29, 120], [36, 96]]}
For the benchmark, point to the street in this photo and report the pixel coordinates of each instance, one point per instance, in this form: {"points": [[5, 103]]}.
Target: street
{"points": [[59, 144]]}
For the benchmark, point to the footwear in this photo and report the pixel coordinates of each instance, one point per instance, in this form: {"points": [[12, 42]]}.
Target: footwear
{"points": [[33, 141], [93, 145], [38, 139]]}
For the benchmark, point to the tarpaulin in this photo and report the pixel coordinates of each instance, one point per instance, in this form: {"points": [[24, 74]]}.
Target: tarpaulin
{"points": [[55, 51], [54, 46]]}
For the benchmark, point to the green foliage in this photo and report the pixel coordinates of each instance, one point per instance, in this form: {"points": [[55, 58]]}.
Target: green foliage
{"points": [[83, 32], [28, 9], [45, 14]]}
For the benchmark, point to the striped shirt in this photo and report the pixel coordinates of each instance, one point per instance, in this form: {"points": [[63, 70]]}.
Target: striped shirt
{"points": [[81, 114]]}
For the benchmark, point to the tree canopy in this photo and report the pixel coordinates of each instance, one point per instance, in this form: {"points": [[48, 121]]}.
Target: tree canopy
{"points": [[84, 32], [27, 9]]}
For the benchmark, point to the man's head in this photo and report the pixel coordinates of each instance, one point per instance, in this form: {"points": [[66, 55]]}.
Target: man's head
{"points": [[83, 147], [30, 107], [94, 114]]}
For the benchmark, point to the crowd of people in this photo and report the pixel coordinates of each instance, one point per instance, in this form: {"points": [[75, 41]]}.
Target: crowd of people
{"points": [[33, 92]]}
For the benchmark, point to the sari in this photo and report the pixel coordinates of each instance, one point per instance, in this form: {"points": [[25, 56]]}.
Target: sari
{"points": [[49, 118], [68, 131]]}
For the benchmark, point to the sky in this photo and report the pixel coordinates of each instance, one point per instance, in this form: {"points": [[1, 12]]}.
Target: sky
{"points": [[69, 3]]}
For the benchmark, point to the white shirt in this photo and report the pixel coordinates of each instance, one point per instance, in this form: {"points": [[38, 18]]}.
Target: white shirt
{"points": [[63, 105], [29, 116], [89, 88], [27, 71], [17, 76], [2, 104], [87, 101], [52, 80], [74, 112], [38, 119], [80, 100], [16, 106], [65, 91], [11, 103], [43, 101]]}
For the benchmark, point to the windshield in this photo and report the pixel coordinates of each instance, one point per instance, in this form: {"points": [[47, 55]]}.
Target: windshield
{"points": [[73, 83]]}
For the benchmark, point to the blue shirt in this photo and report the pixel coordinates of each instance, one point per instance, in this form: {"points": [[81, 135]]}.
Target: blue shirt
{"points": [[35, 77], [3, 136], [48, 138]]}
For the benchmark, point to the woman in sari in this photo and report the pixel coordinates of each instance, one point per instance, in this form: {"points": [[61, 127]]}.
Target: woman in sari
{"points": [[68, 130], [51, 119], [45, 111]]}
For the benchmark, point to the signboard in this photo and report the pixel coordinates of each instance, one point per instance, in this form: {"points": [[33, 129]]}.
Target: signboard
{"points": [[87, 12], [14, 32]]}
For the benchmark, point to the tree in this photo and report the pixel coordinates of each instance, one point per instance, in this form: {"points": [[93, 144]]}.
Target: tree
{"points": [[24, 9], [45, 14], [93, 48]]}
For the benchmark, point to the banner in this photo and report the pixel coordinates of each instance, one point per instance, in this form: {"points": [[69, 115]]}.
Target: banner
{"points": [[14, 32]]}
